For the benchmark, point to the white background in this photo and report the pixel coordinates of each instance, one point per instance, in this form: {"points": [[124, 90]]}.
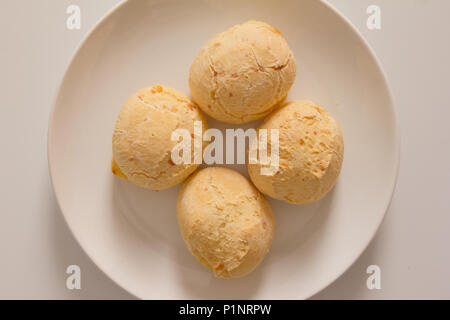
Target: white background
{"points": [[411, 246]]}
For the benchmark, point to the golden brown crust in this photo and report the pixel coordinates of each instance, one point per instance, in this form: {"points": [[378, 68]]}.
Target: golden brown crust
{"points": [[242, 73], [311, 150], [228, 229], [142, 142]]}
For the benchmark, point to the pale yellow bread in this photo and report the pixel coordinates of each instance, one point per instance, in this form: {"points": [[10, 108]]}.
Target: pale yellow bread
{"points": [[225, 221], [242, 73], [142, 142], [311, 149]]}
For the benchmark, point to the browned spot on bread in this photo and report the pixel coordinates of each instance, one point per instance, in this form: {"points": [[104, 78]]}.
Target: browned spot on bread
{"points": [[116, 170], [276, 30], [219, 267]]}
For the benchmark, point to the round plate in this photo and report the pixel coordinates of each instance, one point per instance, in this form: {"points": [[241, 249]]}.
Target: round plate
{"points": [[132, 233]]}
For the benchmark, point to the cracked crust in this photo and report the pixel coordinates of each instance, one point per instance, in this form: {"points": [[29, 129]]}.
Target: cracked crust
{"points": [[243, 73], [311, 150], [142, 137], [228, 229]]}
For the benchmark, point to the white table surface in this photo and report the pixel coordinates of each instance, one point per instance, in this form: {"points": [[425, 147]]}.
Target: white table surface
{"points": [[412, 245]]}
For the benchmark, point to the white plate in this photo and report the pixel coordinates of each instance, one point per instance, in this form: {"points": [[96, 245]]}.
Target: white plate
{"points": [[132, 233]]}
